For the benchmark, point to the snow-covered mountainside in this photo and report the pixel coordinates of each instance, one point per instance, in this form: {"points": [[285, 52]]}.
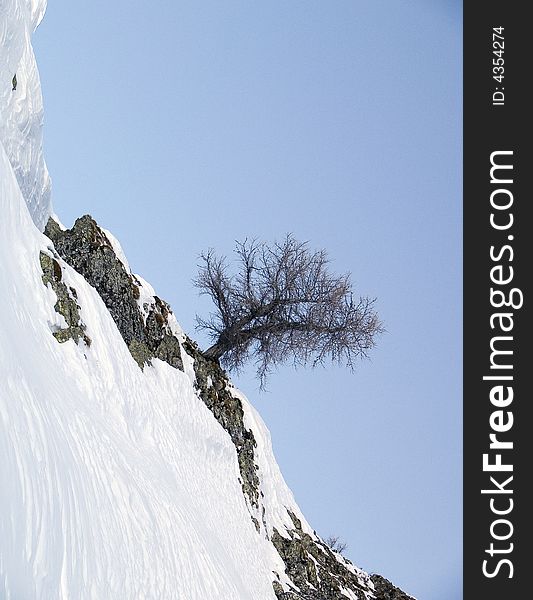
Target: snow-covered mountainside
{"points": [[21, 114], [130, 466]]}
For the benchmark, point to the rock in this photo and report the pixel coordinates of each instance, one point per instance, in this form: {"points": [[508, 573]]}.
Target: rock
{"points": [[316, 572], [86, 248], [213, 388], [140, 352], [385, 590], [66, 304]]}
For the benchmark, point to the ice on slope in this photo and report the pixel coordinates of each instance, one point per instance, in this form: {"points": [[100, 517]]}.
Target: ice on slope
{"points": [[21, 111]]}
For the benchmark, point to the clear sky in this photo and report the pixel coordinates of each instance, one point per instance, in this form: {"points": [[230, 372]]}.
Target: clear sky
{"points": [[184, 125]]}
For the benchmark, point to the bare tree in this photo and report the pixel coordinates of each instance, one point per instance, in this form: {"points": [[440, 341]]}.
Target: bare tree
{"points": [[283, 303], [336, 544]]}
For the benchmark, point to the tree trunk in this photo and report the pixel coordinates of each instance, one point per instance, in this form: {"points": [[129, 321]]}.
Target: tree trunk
{"points": [[214, 352]]}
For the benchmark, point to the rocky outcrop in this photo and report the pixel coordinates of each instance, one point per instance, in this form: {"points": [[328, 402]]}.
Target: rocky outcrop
{"points": [[86, 248], [214, 389], [385, 590], [66, 304], [145, 329], [315, 570]]}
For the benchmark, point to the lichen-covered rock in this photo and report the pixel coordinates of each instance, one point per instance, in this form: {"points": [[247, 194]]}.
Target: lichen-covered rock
{"points": [[140, 352], [214, 389], [169, 351], [385, 590], [315, 570], [87, 249], [66, 304], [320, 574]]}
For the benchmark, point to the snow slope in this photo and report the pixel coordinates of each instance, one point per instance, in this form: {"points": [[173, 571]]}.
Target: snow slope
{"points": [[115, 482], [21, 112]]}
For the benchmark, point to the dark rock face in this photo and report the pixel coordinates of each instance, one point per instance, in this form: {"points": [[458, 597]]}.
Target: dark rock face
{"points": [[214, 389], [86, 248], [318, 574], [313, 568], [385, 590], [66, 304]]}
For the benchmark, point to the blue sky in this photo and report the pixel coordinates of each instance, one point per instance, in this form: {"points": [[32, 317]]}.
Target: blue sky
{"points": [[187, 125]]}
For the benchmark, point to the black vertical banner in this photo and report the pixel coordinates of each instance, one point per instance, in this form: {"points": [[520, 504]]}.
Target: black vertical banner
{"points": [[498, 248]]}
